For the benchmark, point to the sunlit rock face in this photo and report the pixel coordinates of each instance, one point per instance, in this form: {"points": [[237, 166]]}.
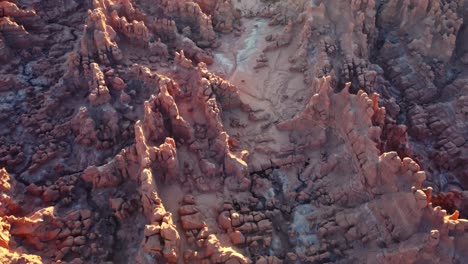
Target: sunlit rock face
{"points": [[243, 131]]}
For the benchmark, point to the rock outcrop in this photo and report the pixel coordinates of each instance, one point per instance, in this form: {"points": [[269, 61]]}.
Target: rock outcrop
{"points": [[223, 131]]}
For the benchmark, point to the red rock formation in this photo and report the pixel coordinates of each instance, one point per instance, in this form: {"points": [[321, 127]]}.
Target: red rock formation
{"points": [[218, 131]]}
